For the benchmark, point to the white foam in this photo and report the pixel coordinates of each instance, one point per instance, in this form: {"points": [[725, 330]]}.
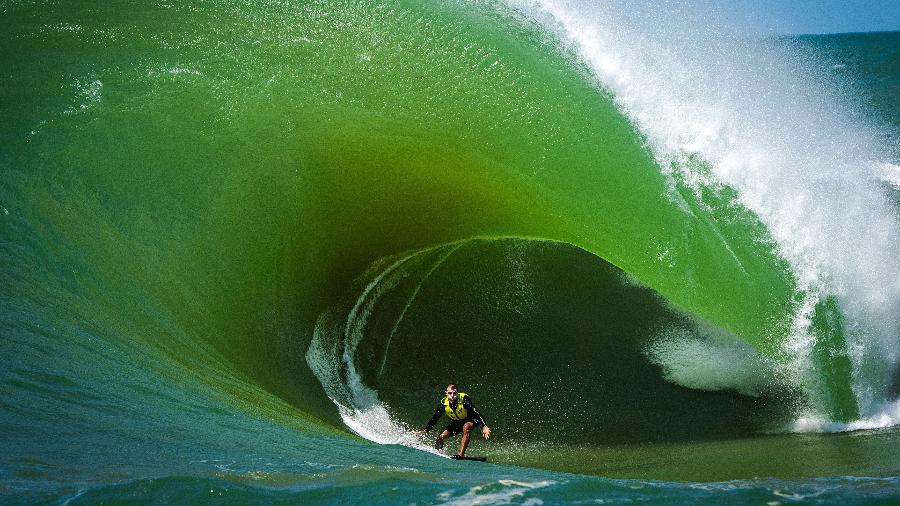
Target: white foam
{"points": [[509, 491], [887, 416], [800, 156]]}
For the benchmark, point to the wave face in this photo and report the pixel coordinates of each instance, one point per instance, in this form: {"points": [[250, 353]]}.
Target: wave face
{"points": [[231, 231]]}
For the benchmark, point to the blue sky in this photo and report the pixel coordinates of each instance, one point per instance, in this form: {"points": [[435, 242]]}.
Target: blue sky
{"points": [[813, 16]]}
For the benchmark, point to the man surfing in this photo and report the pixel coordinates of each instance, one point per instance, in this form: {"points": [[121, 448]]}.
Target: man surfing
{"points": [[463, 418]]}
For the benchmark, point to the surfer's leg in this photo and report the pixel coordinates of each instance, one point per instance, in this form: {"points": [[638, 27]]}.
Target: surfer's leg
{"points": [[465, 438], [440, 440]]}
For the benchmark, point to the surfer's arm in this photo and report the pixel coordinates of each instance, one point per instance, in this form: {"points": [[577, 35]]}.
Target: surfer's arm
{"points": [[434, 418], [473, 413]]}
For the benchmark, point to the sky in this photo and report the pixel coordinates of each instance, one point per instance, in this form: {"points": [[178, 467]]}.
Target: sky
{"points": [[812, 16]]}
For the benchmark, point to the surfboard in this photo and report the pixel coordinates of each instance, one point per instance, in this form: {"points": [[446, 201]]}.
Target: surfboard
{"points": [[479, 459]]}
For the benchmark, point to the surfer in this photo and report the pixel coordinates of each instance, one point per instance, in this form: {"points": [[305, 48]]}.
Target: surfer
{"points": [[463, 418]]}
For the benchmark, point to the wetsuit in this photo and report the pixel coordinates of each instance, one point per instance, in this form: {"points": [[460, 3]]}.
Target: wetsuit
{"points": [[460, 414]]}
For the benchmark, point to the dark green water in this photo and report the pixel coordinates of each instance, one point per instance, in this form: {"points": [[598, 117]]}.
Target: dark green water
{"points": [[234, 233]]}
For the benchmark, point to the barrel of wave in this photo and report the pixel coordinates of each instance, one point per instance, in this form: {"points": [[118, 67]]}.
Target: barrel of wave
{"points": [[555, 345]]}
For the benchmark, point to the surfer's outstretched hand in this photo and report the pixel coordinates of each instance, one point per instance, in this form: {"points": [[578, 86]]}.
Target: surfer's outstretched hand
{"points": [[486, 432], [419, 433]]}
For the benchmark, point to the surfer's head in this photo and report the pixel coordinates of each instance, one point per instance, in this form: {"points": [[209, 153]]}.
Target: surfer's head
{"points": [[451, 391]]}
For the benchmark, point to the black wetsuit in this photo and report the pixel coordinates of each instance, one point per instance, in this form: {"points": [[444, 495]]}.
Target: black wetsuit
{"points": [[456, 426]]}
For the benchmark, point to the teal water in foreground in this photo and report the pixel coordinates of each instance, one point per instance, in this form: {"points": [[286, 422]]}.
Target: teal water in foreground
{"points": [[245, 244]]}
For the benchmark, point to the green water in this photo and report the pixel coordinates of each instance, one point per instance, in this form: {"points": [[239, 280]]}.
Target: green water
{"points": [[868, 453], [188, 188]]}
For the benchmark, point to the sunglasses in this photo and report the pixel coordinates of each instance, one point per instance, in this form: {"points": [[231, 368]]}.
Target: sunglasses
{"points": [[449, 393]]}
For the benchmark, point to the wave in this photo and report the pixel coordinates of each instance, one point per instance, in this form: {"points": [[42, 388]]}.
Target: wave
{"points": [[289, 212]]}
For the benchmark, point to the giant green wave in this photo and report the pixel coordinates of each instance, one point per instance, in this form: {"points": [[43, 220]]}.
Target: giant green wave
{"points": [[197, 184]]}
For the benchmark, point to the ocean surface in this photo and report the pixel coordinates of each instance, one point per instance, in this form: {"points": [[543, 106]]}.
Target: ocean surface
{"points": [[245, 244]]}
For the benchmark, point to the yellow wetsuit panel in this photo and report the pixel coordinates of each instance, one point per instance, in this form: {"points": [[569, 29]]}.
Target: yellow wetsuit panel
{"points": [[461, 413]]}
